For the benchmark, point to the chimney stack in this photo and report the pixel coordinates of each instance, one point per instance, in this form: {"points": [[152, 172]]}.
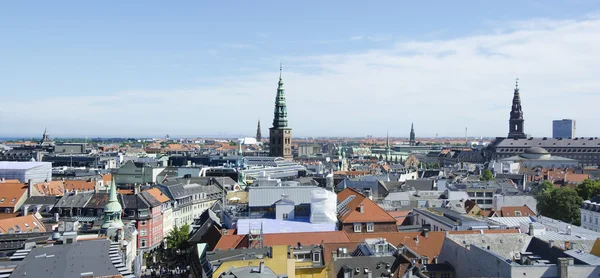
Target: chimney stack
{"points": [[425, 233], [362, 208], [29, 185]]}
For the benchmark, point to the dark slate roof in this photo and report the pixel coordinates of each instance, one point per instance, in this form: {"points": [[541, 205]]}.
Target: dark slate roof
{"points": [[98, 201], [150, 199], [128, 201], [429, 173], [68, 260], [202, 224], [375, 264], [420, 184], [42, 200], [74, 200]]}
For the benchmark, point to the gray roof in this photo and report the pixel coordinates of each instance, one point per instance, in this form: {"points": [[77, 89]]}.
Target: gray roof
{"points": [[376, 264], [249, 272], [41, 200], [178, 191], [549, 142], [266, 196], [69, 260], [584, 256], [74, 200], [420, 184]]}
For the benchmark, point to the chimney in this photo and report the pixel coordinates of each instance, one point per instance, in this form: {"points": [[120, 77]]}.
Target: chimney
{"points": [[425, 233], [136, 189], [563, 266], [29, 186], [2, 180], [531, 229], [567, 245], [550, 243], [261, 267], [362, 208]]}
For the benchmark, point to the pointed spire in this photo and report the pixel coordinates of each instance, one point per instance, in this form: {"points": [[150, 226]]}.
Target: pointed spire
{"points": [[517, 85], [113, 193], [387, 139], [280, 69]]}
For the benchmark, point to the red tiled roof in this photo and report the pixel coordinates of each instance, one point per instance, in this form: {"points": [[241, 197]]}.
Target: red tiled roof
{"points": [[79, 185], [24, 224], [11, 193], [372, 211], [429, 246], [158, 195], [400, 215], [292, 239], [512, 211], [229, 241], [51, 188]]}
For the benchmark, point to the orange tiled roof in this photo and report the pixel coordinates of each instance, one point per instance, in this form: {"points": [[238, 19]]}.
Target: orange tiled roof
{"points": [[125, 191], [372, 211], [400, 215], [10, 193], [429, 246], [229, 241], [51, 188], [511, 211], [106, 179], [158, 195], [24, 224], [292, 239], [11, 181], [79, 185]]}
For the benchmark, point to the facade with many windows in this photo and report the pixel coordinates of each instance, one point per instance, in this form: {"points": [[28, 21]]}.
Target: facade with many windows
{"points": [[590, 214]]}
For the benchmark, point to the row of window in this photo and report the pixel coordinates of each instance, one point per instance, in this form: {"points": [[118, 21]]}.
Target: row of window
{"points": [[590, 218], [358, 227]]}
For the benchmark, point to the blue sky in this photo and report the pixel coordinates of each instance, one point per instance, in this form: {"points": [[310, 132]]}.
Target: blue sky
{"points": [[352, 68]]}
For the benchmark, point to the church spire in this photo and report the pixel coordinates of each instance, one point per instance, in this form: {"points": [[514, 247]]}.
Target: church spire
{"points": [[412, 140], [258, 132], [516, 121], [280, 114], [112, 210]]}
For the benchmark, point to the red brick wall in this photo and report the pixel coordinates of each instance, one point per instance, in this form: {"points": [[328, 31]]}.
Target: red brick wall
{"points": [[379, 227]]}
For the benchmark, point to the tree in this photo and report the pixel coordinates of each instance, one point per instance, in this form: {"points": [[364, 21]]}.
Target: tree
{"points": [[560, 203], [177, 238], [588, 189], [487, 175]]}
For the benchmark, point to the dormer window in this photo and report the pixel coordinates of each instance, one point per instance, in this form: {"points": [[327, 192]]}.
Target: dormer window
{"points": [[357, 227], [517, 213], [316, 257]]}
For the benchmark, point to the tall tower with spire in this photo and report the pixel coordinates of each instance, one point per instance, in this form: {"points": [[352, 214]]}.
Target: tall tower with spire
{"points": [[388, 149], [258, 133], [112, 211], [516, 121], [280, 135], [411, 140]]}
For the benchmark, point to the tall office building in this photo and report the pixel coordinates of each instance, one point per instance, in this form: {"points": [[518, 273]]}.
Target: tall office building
{"points": [[564, 128]]}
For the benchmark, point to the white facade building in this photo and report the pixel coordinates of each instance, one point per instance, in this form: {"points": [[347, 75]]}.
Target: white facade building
{"points": [[37, 172], [590, 214]]}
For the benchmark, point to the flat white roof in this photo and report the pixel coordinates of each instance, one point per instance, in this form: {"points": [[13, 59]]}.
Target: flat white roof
{"points": [[17, 165]]}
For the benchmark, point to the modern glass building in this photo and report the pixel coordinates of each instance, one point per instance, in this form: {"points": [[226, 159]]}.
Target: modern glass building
{"points": [[564, 128]]}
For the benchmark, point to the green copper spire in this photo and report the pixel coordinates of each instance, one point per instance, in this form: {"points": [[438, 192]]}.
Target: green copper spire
{"points": [[112, 210], [280, 115]]}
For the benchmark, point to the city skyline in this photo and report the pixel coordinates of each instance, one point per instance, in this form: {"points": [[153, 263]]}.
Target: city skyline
{"points": [[147, 79]]}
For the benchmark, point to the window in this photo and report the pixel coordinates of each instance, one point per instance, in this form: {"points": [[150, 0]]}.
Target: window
{"points": [[143, 223], [370, 227], [285, 216], [26, 225], [144, 243], [517, 213], [143, 232], [445, 275], [357, 227], [8, 211], [596, 220], [302, 256], [432, 275], [584, 219], [316, 257]]}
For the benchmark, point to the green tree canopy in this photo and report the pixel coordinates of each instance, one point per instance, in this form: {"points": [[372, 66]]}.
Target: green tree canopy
{"points": [[588, 189], [487, 175], [177, 238], [560, 203]]}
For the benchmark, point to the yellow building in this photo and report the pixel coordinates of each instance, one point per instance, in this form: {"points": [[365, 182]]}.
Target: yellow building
{"points": [[299, 262]]}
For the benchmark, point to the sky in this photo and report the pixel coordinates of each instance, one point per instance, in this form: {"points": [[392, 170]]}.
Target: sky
{"points": [[351, 68]]}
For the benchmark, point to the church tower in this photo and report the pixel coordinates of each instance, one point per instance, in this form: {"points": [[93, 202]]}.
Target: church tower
{"points": [[411, 140], [280, 135], [258, 133], [388, 149], [112, 211], [515, 129]]}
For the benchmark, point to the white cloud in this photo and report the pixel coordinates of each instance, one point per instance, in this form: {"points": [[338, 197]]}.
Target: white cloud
{"points": [[440, 85], [356, 38]]}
